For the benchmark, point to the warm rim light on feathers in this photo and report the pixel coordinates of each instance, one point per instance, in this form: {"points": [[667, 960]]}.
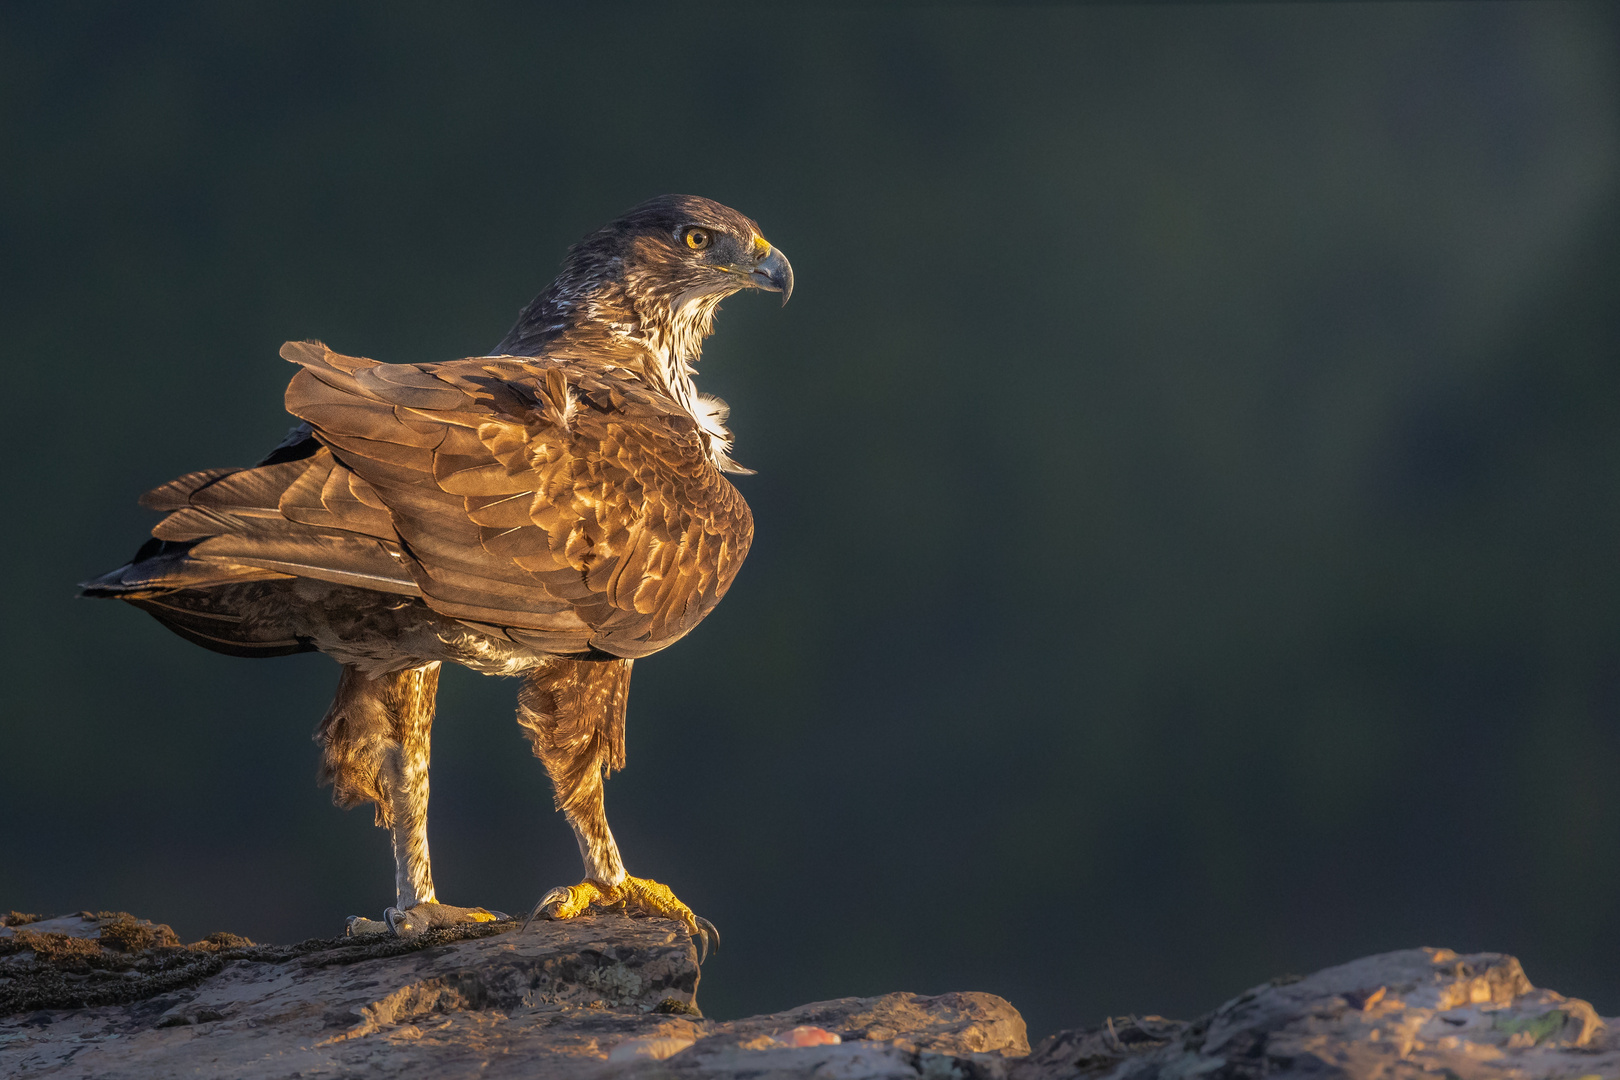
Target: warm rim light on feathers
{"points": [[555, 509]]}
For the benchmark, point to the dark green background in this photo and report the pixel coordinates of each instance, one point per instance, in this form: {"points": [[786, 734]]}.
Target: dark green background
{"points": [[1189, 473]]}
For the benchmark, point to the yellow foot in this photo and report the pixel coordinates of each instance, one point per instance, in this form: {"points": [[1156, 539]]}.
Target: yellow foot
{"points": [[638, 894], [413, 921]]}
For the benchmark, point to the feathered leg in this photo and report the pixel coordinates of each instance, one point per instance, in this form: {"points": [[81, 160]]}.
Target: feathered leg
{"points": [[573, 712], [375, 742]]}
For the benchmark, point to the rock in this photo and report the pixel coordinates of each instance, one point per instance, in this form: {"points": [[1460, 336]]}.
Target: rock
{"points": [[116, 930], [896, 1035], [109, 995], [1417, 1013], [959, 1024], [654, 1047], [805, 1035], [563, 999]]}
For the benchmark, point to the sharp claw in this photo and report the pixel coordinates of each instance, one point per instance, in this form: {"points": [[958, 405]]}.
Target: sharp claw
{"points": [[713, 932], [393, 917], [706, 931], [561, 892]]}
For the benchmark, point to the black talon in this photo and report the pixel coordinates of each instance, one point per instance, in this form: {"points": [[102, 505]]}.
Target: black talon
{"points": [[706, 930], [561, 892]]}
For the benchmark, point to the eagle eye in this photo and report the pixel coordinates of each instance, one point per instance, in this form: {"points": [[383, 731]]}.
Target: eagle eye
{"points": [[698, 239]]}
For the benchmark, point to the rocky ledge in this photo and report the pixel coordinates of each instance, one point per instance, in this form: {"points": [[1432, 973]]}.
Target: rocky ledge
{"points": [[108, 995]]}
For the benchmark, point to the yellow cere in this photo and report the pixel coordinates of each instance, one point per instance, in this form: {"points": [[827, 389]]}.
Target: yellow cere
{"points": [[761, 248]]}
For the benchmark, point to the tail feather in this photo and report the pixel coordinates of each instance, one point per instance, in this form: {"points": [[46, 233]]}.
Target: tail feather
{"points": [[221, 632], [178, 592], [163, 566], [216, 568]]}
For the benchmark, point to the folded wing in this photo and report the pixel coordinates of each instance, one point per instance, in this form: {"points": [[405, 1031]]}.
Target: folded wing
{"points": [[305, 518], [557, 501]]}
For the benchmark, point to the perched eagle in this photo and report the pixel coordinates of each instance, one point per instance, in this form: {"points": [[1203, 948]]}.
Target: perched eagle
{"points": [[554, 510]]}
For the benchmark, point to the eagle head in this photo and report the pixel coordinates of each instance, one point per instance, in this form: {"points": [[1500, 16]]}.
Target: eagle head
{"points": [[679, 249], [655, 274], [645, 287]]}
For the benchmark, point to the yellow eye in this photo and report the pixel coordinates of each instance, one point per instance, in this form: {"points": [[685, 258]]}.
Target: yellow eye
{"points": [[698, 239]]}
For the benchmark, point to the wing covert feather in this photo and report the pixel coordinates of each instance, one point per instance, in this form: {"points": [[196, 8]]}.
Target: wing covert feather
{"points": [[528, 491]]}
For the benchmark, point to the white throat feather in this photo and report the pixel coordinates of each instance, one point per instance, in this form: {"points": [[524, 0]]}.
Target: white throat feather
{"points": [[676, 348]]}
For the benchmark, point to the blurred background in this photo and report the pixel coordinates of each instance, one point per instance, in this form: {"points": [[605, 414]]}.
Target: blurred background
{"points": [[1188, 473]]}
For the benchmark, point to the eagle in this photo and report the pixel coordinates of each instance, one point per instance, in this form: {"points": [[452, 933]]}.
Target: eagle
{"points": [[553, 511]]}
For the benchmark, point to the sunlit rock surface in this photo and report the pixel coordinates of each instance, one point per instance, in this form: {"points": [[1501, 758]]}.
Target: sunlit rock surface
{"points": [[1416, 1013], [108, 995], [557, 1000]]}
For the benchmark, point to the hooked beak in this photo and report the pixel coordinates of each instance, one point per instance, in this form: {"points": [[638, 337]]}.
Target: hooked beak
{"points": [[774, 273]]}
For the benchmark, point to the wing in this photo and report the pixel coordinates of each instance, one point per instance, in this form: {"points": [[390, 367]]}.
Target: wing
{"points": [[308, 517], [555, 499]]}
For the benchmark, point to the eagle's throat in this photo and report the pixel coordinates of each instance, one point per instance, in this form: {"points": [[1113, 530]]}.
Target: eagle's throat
{"points": [[664, 327], [672, 334]]}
